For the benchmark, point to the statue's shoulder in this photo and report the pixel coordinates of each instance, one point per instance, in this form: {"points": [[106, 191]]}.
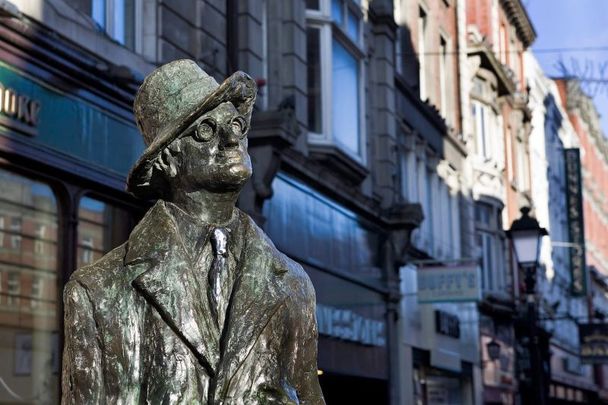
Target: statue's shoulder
{"points": [[292, 272], [102, 271], [110, 268]]}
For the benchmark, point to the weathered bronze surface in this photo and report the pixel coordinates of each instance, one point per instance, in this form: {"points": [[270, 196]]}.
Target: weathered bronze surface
{"points": [[198, 306]]}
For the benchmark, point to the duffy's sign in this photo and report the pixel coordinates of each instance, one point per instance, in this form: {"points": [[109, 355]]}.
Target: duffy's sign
{"points": [[594, 342]]}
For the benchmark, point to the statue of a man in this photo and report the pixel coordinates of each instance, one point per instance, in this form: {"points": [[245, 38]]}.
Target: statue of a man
{"points": [[198, 306]]}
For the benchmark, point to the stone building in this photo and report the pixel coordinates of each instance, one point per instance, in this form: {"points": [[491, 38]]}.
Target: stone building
{"points": [[592, 245], [560, 311], [324, 143], [498, 33], [428, 88]]}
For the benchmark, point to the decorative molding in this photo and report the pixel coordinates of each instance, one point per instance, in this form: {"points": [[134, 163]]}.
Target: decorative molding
{"points": [[518, 16]]}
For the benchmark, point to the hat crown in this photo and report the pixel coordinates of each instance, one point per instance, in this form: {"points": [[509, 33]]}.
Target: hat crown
{"points": [[168, 95]]}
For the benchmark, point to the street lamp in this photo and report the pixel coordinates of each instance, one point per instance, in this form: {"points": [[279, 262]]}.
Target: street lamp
{"points": [[493, 348], [526, 234]]}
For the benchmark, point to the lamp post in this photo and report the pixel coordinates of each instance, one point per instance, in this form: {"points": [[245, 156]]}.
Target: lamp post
{"points": [[493, 348], [526, 235]]}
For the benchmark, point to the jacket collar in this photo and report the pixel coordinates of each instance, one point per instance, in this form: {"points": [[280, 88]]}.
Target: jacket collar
{"points": [[168, 283]]}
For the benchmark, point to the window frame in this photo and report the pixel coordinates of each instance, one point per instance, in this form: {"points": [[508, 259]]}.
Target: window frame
{"points": [[109, 24], [495, 280], [329, 31]]}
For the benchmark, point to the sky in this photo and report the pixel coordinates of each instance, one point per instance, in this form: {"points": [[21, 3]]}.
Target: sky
{"points": [[574, 24]]}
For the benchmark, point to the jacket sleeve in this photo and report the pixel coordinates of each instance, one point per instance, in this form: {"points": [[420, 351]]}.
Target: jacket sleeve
{"points": [[309, 390], [82, 378]]}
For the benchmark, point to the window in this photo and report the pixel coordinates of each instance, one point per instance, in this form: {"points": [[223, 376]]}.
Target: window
{"points": [[14, 288], [120, 19], [29, 212], [334, 68], [39, 243], [443, 80], [1, 232], [87, 249], [485, 122], [101, 227], [422, 34], [491, 246], [330, 235], [399, 51], [522, 165], [36, 291], [16, 233]]}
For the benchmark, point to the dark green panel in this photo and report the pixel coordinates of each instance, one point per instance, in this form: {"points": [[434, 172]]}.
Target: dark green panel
{"points": [[75, 127]]}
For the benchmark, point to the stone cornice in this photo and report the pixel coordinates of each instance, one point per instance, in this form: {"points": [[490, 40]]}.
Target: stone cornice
{"points": [[579, 102], [518, 16], [488, 61]]}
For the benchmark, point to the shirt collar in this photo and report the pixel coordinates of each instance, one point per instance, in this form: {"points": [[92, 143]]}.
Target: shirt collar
{"points": [[195, 233]]}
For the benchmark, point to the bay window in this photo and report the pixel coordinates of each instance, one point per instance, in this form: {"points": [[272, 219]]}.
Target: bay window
{"points": [[334, 83]]}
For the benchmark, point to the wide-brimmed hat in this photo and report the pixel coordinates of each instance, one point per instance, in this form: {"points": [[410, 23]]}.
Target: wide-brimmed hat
{"points": [[170, 99]]}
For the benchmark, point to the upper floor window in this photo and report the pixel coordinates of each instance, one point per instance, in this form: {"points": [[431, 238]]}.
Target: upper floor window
{"points": [[422, 38], [486, 129], [444, 79], [491, 245], [334, 67], [120, 19]]}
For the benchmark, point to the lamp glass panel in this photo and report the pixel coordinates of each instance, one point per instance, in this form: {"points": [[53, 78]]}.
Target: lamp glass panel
{"points": [[526, 246]]}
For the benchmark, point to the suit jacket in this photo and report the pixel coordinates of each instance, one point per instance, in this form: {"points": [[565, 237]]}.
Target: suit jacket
{"points": [[138, 328]]}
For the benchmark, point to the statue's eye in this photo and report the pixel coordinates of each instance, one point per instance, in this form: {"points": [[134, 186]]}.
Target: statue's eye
{"points": [[239, 126], [204, 131]]}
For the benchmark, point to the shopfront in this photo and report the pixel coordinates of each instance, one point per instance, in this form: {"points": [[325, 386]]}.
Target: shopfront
{"points": [[339, 251], [65, 148]]}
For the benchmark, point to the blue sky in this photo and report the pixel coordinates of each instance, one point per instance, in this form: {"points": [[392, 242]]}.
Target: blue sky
{"points": [[573, 24]]}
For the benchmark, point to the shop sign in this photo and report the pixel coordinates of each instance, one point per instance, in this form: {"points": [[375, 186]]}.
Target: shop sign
{"points": [[574, 204], [78, 123], [447, 324], [448, 284], [347, 325], [594, 343], [18, 111]]}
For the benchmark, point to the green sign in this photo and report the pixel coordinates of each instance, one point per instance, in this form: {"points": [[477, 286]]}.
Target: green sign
{"points": [[40, 114], [576, 225]]}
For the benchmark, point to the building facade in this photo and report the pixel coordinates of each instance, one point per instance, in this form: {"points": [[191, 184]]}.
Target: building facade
{"points": [[592, 246], [560, 310], [323, 143], [390, 139], [439, 352]]}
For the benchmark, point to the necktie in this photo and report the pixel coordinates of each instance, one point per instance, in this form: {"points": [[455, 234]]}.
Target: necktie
{"points": [[218, 276]]}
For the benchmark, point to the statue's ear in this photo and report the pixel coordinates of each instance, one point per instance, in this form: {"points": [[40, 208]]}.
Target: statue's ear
{"points": [[166, 162]]}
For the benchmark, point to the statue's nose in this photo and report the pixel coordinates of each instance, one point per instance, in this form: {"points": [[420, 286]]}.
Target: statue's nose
{"points": [[228, 138]]}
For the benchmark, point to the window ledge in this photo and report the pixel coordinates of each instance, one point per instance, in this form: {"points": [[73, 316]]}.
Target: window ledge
{"points": [[344, 164]]}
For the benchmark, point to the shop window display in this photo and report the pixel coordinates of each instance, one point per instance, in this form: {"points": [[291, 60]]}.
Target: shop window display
{"points": [[29, 318]]}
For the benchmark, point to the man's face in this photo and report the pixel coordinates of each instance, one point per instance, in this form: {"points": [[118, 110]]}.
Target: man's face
{"points": [[214, 151]]}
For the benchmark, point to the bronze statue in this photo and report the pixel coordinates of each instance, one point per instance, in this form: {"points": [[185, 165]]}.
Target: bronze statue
{"points": [[198, 306]]}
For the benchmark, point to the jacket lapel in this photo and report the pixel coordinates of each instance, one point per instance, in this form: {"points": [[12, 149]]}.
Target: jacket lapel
{"points": [[257, 296], [169, 284]]}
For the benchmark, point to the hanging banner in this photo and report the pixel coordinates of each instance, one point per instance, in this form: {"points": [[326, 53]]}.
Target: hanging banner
{"points": [[574, 204], [594, 343], [448, 284]]}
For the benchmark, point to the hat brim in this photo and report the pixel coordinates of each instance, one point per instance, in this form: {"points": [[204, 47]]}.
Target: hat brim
{"points": [[239, 88]]}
